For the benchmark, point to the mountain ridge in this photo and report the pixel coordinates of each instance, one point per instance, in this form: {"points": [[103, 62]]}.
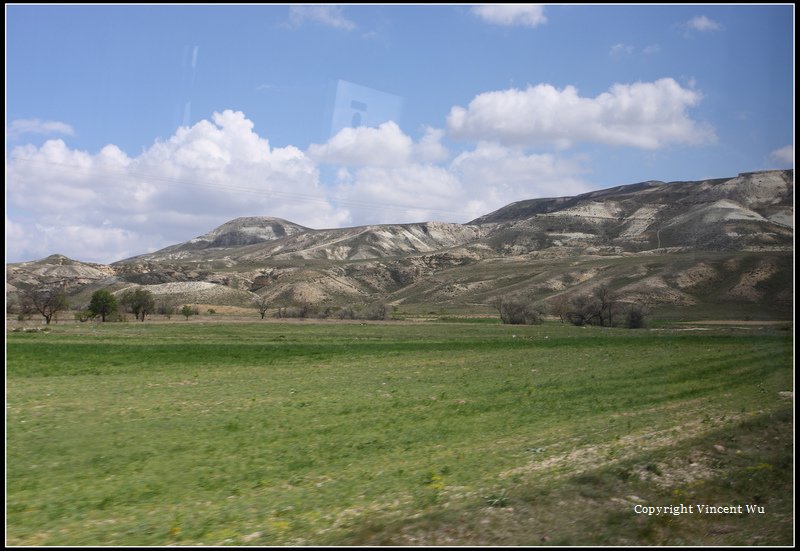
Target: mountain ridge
{"points": [[263, 256]]}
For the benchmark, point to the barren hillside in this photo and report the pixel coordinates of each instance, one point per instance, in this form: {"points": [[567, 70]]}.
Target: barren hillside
{"points": [[701, 245]]}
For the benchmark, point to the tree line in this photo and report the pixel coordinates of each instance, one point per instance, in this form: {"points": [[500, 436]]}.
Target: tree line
{"points": [[49, 301], [601, 306]]}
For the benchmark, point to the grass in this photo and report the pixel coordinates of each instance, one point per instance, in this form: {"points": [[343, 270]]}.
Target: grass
{"points": [[347, 434]]}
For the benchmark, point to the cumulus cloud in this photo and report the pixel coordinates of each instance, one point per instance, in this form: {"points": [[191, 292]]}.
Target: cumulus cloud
{"points": [[106, 205], [520, 15], [430, 148], [647, 115], [474, 183], [411, 193], [385, 145], [82, 242], [784, 155], [498, 175], [702, 23], [20, 127], [330, 16]]}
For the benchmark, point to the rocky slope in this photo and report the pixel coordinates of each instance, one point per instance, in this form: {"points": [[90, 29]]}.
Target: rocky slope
{"points": [[248, 230], [55, 270], [677, 241]]}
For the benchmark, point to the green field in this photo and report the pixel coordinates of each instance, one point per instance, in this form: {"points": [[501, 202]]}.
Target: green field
{"points": [[444, 433]]}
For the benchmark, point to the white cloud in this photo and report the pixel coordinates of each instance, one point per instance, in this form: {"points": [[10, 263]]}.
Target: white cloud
{"points": [[15, 233], [524, 15], [498, 175], [784, 155], [19, 127], [430, 148], [330, 16], [410, 193], [647, 115], [83, 242], [106, 206], [702, 23], [475, 183], [385, 145], [621, 49]]}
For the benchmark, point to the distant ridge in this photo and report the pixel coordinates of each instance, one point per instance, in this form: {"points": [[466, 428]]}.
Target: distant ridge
{"points": [[724, 240]]}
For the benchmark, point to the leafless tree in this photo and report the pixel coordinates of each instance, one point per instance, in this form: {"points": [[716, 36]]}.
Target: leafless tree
{"points": [[517, 310], [262, 304], [596, 308], [607, 304], [166, 307], [559, 306], [637, 314], [47, 301]]}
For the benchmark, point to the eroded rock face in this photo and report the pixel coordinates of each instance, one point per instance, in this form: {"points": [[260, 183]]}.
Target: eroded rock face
{"points": [[56, 270], [247, 231], [265, 256]]}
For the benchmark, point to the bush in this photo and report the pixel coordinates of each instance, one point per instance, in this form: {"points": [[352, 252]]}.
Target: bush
{"points": [[166, 308], [583, 311], [518, 311], [636, 317], [559, 306], [376, 311], [187, 311], [346, 313], [139, 301], [600, 307], [293, 311], [83, 316]]}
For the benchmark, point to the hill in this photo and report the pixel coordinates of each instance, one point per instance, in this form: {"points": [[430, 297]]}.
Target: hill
{"points": [[719, 248]]}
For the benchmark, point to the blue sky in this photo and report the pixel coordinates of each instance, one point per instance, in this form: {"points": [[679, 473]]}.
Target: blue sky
{"points": [[131, 128]]}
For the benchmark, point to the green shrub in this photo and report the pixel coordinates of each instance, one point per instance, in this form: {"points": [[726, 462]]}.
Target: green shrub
{"points": [[187, 311]]}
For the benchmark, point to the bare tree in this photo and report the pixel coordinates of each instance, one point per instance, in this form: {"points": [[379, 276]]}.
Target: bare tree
{"points": [[262, 304], [559, 306], [582, 310], [596, 308], [166, 307], [47, 301], [374, 311], [518, 311], [637, 314], [607, 304]]}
